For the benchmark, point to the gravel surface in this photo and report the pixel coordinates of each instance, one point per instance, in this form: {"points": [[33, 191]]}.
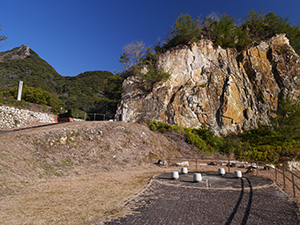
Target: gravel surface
{"points": [[215, 200]]}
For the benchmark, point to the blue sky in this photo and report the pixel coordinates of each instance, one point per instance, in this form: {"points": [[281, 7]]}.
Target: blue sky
{"points": [[75, 36]]}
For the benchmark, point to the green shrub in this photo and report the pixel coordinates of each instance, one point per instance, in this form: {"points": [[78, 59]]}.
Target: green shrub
{"points": [[203, 138], [210, 138], [39, 96], [194, 139], [264, 153], [154, 75], [152, 125], [176, 128], [185, 31], [160, 126], [279, 139]]}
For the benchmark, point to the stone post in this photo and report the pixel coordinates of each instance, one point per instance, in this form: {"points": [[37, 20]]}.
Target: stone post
{"points": [[20, 87]]}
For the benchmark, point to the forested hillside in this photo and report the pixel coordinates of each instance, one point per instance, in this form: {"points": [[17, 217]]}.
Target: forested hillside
{"points": [[96, 91]]}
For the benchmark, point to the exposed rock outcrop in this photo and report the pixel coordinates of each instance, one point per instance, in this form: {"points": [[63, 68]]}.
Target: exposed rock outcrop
{"points": [[21, 52], [225, 89]]}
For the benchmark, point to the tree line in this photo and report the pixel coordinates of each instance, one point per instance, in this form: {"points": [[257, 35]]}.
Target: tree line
{"points": [[224, 31]]}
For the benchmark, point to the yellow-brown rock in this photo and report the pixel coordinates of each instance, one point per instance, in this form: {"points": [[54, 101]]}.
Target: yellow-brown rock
{"points": [[227, 90]]}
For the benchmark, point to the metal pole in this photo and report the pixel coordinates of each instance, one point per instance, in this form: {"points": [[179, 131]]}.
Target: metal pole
{"points": [[294, 191], [94, 116], [196, 164]]}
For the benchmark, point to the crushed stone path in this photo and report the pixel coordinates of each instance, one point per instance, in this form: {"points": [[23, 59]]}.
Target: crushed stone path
{"points": [[215, 200]]}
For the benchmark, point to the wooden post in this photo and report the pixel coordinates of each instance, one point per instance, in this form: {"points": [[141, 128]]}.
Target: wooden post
{"points": [[275, 175], [294, 191], [257, 168], [283, 174], [196, 164], [228, 165]]}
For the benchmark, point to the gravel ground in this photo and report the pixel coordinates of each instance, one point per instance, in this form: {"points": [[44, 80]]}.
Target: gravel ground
{"points": [[215, 200]]}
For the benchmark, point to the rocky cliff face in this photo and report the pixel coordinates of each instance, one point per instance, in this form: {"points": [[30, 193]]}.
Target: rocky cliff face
{"points": [[229, 91]]}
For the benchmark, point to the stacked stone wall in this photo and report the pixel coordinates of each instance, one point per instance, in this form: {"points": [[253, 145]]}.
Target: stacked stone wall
{"points": [[11, 117]]}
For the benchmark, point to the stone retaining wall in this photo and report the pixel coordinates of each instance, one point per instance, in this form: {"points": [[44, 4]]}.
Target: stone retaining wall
{"points": [[11, 117]]}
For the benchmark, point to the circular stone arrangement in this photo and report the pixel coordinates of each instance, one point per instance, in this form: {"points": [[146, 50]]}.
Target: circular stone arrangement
{"points": [[212, 180]]}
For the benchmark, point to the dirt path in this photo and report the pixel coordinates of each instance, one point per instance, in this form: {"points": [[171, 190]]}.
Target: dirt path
{"points": [[3, 132], [6, 131]]}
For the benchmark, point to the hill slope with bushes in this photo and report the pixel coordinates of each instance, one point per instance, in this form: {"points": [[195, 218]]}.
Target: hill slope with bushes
{"points": [[96, 91]]}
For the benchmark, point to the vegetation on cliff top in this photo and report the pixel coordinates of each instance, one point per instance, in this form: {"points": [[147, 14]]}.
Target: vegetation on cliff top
{"points": [[137, 57], [222, 30], [226, 32]]}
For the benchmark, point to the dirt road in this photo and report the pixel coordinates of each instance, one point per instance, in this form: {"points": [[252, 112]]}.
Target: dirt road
{"points": [[3, 132]]}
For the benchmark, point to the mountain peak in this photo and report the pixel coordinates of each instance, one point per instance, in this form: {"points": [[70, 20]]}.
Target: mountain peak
{"points": [[21, 52]]}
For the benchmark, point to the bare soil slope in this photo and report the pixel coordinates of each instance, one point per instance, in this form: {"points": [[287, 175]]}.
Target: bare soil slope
{"points": [[80, 148], [80, 172]]}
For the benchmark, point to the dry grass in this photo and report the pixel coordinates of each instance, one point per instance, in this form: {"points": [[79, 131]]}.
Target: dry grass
{"points": [[74, 200], [30, 155], [84, 199], [77, 173]]}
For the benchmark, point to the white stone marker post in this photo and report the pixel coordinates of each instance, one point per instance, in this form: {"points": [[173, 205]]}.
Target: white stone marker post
{"points": [[20, 87]]}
